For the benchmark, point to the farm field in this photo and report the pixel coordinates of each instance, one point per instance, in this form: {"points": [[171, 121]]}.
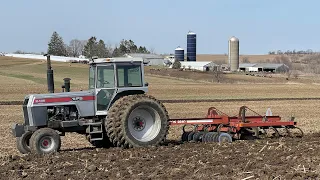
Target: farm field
{"points": [[20, 77], [283, 158]]}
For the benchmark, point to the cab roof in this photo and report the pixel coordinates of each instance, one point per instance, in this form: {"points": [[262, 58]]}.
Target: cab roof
{"points": [[114, 60]]}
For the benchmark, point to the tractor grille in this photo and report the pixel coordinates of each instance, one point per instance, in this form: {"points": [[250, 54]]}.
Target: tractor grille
{"points": [[25, 111]]}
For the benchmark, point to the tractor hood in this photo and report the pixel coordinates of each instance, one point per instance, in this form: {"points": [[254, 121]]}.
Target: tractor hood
{"points": [[61, 97]]}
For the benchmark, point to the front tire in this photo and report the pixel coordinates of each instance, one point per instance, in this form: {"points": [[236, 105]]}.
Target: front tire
{"points": [[23, 142], [45, 141], [137, 121]]}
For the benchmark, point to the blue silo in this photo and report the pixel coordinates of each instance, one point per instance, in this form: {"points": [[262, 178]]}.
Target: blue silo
{"points": [[179, 54], [191, 46]]}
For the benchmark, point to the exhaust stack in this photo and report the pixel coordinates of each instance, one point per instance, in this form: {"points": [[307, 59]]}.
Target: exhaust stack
{"points": [[67, 84], [49, 75]]}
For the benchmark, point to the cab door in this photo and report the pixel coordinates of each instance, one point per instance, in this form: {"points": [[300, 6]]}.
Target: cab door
{"points": [[105, 88]]}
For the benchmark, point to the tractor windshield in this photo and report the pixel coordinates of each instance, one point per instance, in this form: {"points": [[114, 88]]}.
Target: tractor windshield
{"points": [[91, 77], [129, 75]]}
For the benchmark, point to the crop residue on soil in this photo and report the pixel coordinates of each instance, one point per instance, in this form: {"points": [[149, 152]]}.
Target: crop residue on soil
{"points": [[285, 158]]}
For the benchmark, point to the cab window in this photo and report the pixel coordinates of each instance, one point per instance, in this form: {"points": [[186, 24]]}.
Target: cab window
{"points": [[92, 71], [105, 76], [129, 75]]}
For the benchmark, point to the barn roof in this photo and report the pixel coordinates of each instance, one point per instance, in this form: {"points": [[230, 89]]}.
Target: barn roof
{"points": [[269, 65], [144, 56], [243, 65], [262, 65], [197, 64]]}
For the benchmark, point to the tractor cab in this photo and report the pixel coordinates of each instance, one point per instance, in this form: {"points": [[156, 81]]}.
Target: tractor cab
{"points": [[112, 78]]}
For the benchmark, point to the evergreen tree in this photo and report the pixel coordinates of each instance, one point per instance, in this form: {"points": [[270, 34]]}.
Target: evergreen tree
{"points": [[116, 52], [143, 49], [56, 45], [90, 49], [124, 47], [101, 49], [176, 64]]}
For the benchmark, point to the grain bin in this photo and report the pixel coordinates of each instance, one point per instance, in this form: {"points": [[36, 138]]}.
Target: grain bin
{"points": [[191, 46], [233, 53], [179, 54]]}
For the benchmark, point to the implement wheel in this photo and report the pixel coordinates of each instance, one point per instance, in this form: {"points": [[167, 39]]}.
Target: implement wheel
{"points": [[23, 142], [198, 136], [137, 121], [271, 132], [45, 141], [224, 138], [295, 132]]}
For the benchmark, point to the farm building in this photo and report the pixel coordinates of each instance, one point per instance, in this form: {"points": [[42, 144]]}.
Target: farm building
{"points": [[200, 66], [263, 67], [153, 59]]}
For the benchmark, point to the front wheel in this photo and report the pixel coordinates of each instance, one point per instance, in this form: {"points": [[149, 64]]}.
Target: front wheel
{"points": [[23, 142], [45, 141], [137, 121]]}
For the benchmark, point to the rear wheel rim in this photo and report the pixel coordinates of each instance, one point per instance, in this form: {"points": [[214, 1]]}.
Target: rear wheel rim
{"points": [[144, 123], [46, 144]]}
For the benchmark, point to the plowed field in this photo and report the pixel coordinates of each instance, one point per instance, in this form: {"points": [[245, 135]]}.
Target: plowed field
{"points": [[263, 159]]}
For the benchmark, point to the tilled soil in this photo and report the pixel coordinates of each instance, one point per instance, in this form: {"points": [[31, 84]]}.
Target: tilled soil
{"points": [[284, 158]]}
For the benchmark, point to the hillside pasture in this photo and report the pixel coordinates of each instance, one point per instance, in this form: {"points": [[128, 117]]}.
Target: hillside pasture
{"points": [[29, 76]]}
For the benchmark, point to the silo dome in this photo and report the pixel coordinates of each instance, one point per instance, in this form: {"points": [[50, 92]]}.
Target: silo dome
{"points": [[234, 39]]}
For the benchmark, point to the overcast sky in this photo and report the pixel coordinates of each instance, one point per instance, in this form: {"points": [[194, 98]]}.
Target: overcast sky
{"points": [[260, 25]]}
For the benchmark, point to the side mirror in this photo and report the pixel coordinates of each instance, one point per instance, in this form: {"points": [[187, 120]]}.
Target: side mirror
{"points": [[146, 84]]}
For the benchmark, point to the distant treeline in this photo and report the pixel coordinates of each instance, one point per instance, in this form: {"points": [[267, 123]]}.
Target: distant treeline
{"points": [[89, 48], [291, 52]]}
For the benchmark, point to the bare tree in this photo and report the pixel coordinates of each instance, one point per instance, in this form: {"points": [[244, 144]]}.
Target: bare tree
{"points": [[288, 74], [109, 49], [295, 74], [152, 50], [217, 73], [75, 47], [220, 61], [245, 60]]}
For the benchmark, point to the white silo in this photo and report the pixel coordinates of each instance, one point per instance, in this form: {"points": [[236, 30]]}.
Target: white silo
{"points": [[233, 56]]}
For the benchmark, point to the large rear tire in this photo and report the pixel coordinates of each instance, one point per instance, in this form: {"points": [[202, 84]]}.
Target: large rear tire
{"points": [[137, 121], [45, 141], [23, 142]]}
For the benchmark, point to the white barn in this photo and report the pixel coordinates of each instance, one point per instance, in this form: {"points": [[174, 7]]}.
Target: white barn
{"points": [[200, 66], [263, 67]]}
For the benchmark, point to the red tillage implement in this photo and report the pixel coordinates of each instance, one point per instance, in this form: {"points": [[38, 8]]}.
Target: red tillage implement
{"points": [[220, 127]]}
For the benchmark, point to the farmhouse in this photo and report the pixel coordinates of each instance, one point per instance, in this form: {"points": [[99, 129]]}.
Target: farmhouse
{"points": [[263, 67], [200, 66], [153, 59]]}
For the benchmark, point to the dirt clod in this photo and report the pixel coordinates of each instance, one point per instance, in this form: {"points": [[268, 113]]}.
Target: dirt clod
{"points": [[92, 168]]}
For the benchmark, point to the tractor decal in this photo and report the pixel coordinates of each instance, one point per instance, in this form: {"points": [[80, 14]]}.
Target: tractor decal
{"points": [[63, 99]]}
